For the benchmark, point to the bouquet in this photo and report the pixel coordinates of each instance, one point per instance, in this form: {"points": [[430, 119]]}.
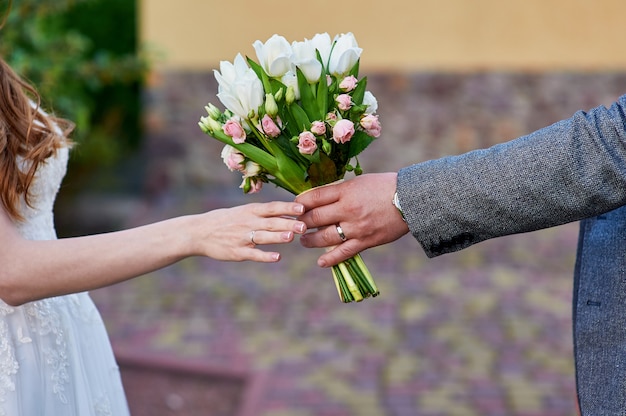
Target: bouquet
{"points": [[297, 118]]}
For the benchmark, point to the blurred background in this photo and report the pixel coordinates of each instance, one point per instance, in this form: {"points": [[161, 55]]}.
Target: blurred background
{"points": [[486, 331]]}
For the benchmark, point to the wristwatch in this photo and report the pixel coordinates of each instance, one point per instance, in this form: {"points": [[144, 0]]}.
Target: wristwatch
{"points": [[396, 203]]}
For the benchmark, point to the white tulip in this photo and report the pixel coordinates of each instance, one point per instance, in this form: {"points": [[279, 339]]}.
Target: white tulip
{"points": [[239, 88], [322, 43], [274, 55], [344, 55], [305, 58], [230, 72], [370, 101]]}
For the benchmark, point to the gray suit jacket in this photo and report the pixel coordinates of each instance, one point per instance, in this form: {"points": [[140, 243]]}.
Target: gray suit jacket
{"points": [[570, 171]]}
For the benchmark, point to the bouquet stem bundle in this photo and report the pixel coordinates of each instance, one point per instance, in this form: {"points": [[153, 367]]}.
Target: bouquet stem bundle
{"points": [[353, 280]]}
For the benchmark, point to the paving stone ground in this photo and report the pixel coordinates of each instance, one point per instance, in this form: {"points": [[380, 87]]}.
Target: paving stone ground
{"points": [[485, 332]]}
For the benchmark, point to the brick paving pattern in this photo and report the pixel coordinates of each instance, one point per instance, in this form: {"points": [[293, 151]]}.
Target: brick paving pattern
{"points": [[486, 331]]}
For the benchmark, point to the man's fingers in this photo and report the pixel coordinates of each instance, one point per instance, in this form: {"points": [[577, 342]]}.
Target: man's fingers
{"points": [[339, 253], [326, 237], [318, 196]]}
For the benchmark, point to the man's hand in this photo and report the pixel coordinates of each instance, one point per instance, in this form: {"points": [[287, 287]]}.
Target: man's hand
{"points": [[362, 207]]}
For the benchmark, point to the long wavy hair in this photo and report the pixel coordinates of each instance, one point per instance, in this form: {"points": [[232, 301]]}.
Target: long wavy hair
{"points": [[26, 133]]}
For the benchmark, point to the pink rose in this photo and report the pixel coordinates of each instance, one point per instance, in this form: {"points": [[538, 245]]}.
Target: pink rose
{"points": [[343, 131], [331, 117], [269, 126], [344, 102], [306, 143], [233, 158], [251, 182], [371, 125], [318, 127], [255, 185], [251, 185], [234, 129], [348, 83]]}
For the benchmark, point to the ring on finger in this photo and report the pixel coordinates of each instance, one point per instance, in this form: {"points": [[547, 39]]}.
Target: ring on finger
{"points": [[252, 237], [340, 232]]}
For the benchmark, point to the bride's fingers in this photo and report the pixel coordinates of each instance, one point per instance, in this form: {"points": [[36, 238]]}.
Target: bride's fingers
{"points": [[277, 209], [281, 224], [260, 237], [254, 254]]}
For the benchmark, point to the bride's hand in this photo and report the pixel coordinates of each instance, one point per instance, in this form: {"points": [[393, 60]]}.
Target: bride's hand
{"points": [[235, 234]]}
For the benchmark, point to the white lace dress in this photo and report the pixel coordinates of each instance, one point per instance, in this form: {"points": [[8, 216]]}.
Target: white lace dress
{"points": [[55, 354]]}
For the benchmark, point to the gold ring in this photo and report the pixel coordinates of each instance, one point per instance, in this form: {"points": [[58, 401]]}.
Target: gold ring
{"points": [[252, 237]]}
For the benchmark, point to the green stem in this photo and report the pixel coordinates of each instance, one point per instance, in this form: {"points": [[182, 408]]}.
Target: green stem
{"points": [[354, 290], [370, 279], [339, 284]]}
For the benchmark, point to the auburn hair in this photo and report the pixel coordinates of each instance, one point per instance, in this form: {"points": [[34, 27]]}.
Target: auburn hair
{"points": [[28, 136]]}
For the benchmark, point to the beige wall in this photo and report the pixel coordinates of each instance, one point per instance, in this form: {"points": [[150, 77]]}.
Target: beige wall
{"points": [[398, 34]]}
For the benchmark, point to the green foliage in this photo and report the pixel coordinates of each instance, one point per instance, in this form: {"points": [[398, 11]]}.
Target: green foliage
{"points": [[81, 56]]}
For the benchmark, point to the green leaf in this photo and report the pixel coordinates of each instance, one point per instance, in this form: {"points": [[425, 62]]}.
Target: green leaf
{"points": [[300, 116], [358, 143], [291, 174], [354, 71], [289, 122], [322, 88], [359, 91], [322, 98], [258, 70], [310, 159], [257, 155], [307, 98]]}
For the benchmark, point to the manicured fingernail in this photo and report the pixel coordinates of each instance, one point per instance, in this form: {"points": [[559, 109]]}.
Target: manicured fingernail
{"points": [[287, 235], [299, 209], [300, 227], [276, 256]]}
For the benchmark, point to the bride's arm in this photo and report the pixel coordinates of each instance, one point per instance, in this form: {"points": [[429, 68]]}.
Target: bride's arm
{"points": [[32, 270]]}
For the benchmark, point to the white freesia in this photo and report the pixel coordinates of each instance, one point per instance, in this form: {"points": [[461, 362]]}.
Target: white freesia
{"points": [[371, 102], [274, 55], [239, 88], [344, 55], [305, 58]]}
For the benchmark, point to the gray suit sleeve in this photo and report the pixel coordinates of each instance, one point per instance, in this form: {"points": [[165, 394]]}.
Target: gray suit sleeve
{"points": [[573, 169]]}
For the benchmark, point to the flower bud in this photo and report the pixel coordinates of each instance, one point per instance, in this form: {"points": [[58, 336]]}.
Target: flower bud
{"points": [[270, 105], [279, 95], [203, 127], [245, 185], [290, 96], [213, 111], [326, 147], [209, 125]]}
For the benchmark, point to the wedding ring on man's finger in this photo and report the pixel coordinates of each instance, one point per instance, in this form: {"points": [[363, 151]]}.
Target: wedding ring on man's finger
{"points": [[252, 237], [340, 232]]}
